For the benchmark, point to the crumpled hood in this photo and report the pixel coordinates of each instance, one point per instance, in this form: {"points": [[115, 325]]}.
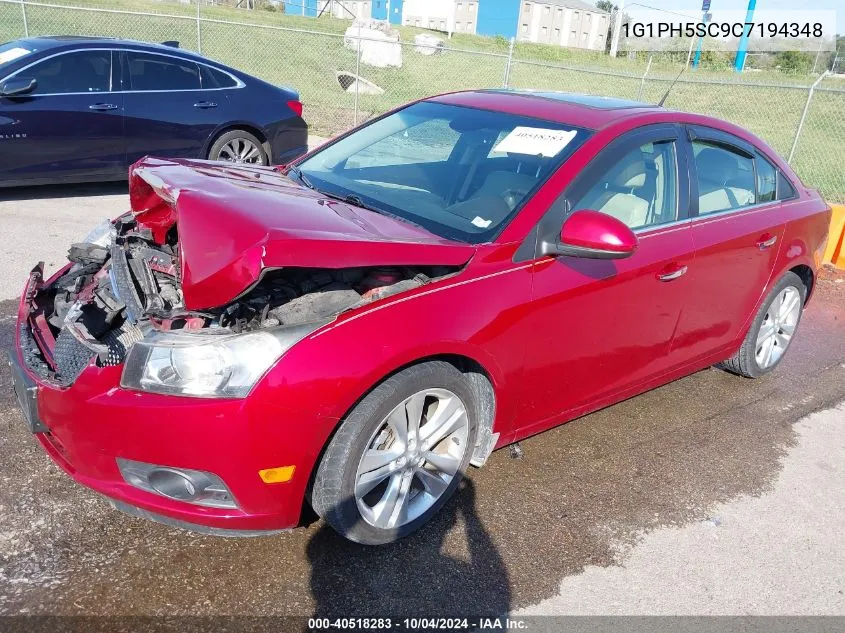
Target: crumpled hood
{"points": [[234, 222]]}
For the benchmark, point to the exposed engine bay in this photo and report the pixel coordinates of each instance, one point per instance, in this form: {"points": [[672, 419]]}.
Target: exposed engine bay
{"points": [[123, 285]]}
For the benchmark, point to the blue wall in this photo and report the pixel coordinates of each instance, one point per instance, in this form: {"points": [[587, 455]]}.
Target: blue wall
{"points": [[295, 7], [498, 17], [378, 9], [396, 11]]}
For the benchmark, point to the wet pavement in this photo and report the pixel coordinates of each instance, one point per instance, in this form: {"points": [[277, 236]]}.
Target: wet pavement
{"points": [[581, 495]]}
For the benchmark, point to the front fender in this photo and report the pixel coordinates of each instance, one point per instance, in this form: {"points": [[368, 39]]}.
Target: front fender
{"points": [[472, 315]]}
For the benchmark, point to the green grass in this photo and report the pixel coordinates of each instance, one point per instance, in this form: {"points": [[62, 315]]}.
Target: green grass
{"points": [[263, 45]]}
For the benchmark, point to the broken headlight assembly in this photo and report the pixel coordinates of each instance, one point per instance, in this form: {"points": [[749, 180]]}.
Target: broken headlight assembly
{"points": [[210, 365]]}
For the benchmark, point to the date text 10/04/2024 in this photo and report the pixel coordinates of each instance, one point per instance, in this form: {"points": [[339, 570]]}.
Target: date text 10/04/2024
{"points": [[416, 624]]}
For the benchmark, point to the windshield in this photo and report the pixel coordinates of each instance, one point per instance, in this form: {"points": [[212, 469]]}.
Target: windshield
{"points": [[459, 172], [12, 52]]}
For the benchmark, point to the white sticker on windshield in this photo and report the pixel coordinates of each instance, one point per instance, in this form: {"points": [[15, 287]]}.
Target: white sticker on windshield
{"points": [[481, 222], [12, 54], [535, 141]]}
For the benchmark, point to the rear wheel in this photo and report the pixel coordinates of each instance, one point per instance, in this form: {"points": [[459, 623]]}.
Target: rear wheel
{"points": [[398, 456], [772, 330], [238, 146]]}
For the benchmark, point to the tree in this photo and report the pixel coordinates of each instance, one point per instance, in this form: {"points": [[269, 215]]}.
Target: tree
{"points": [[609, 7], [793, 61]]}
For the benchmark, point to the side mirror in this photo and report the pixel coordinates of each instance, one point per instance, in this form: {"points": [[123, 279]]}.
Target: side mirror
{"points": [[593, 235], [17, 86]]}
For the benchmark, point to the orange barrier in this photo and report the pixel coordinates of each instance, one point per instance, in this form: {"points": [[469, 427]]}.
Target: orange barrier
{"points": [[835, 252]]}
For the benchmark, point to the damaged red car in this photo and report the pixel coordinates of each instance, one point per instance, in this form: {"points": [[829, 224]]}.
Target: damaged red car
{"points": [[351, 332]]}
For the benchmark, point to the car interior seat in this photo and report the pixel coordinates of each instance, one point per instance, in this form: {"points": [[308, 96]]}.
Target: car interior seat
{"points": [[508, 185], [722, 185], [623, 198]]}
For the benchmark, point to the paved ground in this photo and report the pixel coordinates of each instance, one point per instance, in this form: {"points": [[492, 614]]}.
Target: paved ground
{"points": [[777, 554], [697, 497]]}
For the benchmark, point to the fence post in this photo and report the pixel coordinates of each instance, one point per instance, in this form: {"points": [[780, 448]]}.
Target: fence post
{"points": [[508, 64], [642, 81], [804, 116], [25, 25], [357, 75], [199, 37]]}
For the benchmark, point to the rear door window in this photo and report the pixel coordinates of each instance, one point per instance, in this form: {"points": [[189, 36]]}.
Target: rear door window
{"points": [[149, 72], [767, 180], [771, 183], [213, 78], [725, 178], [79, 71], [785, 189]]}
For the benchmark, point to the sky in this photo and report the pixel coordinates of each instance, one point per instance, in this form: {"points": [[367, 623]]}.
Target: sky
{"points": [[695, 5]]}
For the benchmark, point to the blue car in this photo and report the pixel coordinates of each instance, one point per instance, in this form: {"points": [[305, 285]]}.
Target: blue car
{"points": [[81, 109]]}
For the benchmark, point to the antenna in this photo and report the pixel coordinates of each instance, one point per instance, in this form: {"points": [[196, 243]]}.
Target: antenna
{"points": [[672, 85]]}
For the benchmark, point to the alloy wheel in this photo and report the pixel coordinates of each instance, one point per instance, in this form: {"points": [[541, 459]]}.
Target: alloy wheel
{"points": [[411, 458], [240, 150], [777, 328]]}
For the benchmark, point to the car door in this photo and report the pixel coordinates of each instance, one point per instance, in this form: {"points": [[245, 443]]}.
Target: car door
{"points": [[69, 127], [168, 112], [598, 327], [737, 234]]}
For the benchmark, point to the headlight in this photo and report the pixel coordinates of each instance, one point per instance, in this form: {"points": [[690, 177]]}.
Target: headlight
{"points": [[101, 235], [207, 364]]}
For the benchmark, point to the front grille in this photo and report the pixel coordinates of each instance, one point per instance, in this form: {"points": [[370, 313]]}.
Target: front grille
{"points": [[122, 285], [71, 357], [33, 356], [119, 341]]}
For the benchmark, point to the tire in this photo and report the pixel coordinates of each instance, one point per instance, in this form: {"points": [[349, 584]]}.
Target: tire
{"points": [[751, 360], [371, 428], [228, 146]]}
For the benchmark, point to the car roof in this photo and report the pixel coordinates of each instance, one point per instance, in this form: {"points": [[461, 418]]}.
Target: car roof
{"points": [[588, 111], [589, 101], [44, 42]]}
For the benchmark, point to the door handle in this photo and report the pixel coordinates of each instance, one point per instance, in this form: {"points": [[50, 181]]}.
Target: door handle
{"points": [[102, 106], [205, 104], [763, 243], [673, 274]]}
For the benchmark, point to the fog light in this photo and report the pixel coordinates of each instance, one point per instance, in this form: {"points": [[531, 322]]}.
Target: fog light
{"points": [[172, 483], [182, 484]]}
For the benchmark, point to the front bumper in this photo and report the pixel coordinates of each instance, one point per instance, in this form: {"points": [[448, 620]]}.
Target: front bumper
{"points": [[135, 511], [86, 426], [93, 422]]}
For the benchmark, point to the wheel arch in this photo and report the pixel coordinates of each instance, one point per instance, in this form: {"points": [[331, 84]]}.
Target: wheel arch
{"points": [[257, 131], [807, 276], [479, 378]]}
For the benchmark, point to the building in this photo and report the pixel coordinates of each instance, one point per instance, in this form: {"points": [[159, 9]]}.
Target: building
{"points": [[437, 15], [466, 16], [362, 9], [308, 8], [571, 23]]}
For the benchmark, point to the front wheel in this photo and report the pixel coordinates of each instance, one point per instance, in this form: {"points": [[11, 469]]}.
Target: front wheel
{"points": [[398, 456], [772, 330]]}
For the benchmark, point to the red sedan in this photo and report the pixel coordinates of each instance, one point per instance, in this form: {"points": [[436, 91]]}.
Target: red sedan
{"points": [[353, 331]]}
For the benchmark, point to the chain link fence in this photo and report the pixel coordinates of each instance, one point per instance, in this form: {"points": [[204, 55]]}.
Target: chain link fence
{"points": [[802, 120]]}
